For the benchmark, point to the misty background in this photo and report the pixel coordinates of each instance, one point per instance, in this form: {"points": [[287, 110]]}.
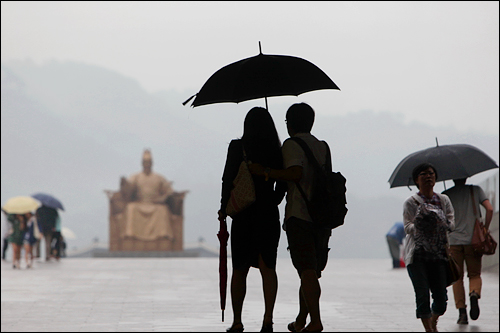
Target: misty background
{"points": [[86, 87]]}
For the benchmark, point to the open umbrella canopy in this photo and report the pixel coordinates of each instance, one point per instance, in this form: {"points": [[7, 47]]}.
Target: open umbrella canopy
{"points": [[48, 200], [20, 205], [67, 233], [262, 76], [451, 162]]}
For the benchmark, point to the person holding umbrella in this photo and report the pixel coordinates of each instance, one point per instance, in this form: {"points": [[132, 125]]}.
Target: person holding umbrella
{"points": [[307, 242], [47, 217], [17, 210], [428, 217], [466, 200], [29, 238], [255, 231], [16, 238]]}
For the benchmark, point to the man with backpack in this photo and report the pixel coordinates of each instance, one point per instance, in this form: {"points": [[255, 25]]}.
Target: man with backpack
{"points": [[307, 237]]}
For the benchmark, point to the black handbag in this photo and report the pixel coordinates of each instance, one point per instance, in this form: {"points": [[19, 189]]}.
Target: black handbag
{"points": [[452, 270]]}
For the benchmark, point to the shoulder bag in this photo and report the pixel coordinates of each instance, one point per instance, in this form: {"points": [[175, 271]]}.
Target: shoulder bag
{"points": [[243, 192], [482, 241]]}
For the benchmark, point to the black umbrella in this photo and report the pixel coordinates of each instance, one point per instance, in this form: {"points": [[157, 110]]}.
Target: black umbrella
{"points": [[451, 162], [223, 236], [262, 76]]}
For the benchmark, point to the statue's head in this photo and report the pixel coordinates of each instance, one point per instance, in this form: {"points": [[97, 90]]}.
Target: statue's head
{"points": [[147, 161]]}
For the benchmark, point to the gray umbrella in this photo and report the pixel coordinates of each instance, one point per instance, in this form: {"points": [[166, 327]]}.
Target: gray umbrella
{"points": [[451, 162]]}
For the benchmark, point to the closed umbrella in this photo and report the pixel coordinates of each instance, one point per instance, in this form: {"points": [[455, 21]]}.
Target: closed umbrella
{"points": [[223, 236], [451, 162]]}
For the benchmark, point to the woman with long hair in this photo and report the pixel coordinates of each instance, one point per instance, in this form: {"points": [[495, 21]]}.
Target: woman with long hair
{"points": [[255, 231]]}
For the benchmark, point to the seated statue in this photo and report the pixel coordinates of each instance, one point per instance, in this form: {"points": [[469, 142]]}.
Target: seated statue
{"points": [[146, 208]]}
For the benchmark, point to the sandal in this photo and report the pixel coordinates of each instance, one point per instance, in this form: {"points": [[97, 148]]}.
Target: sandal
{"points": [[235, 329], [291, 327]]}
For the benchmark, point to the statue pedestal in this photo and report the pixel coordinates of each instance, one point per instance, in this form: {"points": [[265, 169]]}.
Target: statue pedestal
{"points": [[129, 244]]}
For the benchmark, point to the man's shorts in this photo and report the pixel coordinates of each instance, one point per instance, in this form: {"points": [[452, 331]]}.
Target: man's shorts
{"points": [[308, 245]]}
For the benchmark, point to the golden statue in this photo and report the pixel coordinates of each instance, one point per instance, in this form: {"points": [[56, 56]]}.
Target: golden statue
{"points": [[146, 214]]}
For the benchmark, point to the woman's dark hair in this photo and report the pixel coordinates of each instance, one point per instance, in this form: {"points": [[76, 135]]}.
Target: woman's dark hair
{"points": [[300, 117], [260, 138], [422, 167]]}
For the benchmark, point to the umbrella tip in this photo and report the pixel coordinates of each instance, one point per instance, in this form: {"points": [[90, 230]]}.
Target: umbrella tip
{"points": [[190, 98], [222, 315], [437, 143], [260, 49]]}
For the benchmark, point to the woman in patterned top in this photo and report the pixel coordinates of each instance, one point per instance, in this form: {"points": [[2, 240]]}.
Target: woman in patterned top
{"points": [[428, 216]]}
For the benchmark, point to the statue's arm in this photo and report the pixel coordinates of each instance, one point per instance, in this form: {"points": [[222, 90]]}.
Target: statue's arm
{"points": [[166, 191], [126, 189]]}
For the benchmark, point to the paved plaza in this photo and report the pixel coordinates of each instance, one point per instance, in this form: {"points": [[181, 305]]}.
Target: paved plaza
{"points": [[182, 295]]}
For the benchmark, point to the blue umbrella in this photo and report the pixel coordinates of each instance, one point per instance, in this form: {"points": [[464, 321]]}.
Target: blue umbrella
{"points": [[48, 200]]}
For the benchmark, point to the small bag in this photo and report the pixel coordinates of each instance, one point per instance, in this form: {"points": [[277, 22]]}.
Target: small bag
{"points": [[482, 241], [243, 192], [452, 270]]}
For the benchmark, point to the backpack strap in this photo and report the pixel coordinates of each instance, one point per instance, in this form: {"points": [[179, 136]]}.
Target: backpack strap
{"points": [[473, 202], [312, 160], [310, 155]]}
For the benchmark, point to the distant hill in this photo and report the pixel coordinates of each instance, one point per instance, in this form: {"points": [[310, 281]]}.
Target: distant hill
{"points": [[73, 129]]}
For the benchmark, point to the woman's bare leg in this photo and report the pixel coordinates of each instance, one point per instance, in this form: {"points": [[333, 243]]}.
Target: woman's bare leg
{"points": [[238, 292], [270, 288]]}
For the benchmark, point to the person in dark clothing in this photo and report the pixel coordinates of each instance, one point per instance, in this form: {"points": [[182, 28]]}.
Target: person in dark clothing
{"points": [[255, 232], [46, 217], [56, 244], [307, 243]]}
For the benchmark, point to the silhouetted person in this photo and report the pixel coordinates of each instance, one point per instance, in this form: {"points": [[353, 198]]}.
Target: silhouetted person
{"points": [[46, 218], [428, 216], [307, 242], [255, 232], [460, 244]]}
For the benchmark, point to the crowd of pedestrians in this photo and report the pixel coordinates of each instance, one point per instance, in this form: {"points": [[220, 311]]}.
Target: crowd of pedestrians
{"points": [[27, 231]]}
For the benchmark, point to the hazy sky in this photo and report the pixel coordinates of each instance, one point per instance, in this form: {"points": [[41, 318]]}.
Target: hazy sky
{"points": [[435, 62]]}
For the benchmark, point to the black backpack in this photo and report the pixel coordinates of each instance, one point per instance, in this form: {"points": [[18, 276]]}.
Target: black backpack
{"points": [[327, 206]]}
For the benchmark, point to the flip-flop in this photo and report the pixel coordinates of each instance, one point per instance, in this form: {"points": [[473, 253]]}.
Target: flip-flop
{"points": [[291, 327], [232, 329]]}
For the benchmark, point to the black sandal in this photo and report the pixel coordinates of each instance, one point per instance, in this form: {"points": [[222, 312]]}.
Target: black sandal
{"points": [[237, 329]]}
